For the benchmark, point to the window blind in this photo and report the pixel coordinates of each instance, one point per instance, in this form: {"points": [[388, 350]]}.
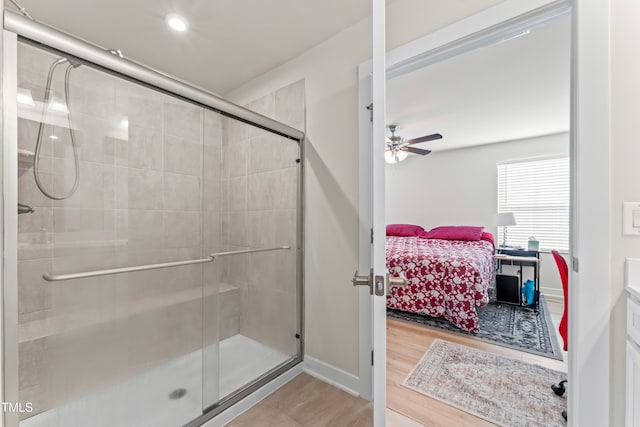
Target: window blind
{"points": [[537, 192]]}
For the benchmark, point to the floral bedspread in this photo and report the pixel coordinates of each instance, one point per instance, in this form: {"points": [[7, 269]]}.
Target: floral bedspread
{"points": [[447, 278]]}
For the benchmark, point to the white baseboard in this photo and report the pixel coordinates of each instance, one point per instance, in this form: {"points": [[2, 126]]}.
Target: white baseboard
{"points": [[248, 402], [332, 375], [551, 292]]}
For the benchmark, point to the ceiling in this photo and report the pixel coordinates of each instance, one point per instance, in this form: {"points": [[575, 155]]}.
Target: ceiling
{"points": [[511, 90], [229, 42]]}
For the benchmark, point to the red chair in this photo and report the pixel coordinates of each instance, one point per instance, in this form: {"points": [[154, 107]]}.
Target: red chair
{"points": [[564, 277], [560, 388]]}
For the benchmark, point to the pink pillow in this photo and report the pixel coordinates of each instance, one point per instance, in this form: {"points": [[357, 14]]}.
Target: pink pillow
{"points": [[488, 237], [404, 230], [452, 232]]}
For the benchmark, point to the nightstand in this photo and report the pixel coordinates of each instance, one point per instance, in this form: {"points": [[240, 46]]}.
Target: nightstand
{"points": [[509, 286]]}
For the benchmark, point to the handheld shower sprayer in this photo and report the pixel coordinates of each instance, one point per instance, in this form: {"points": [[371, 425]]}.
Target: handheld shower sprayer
{"points": [[47, 96]]}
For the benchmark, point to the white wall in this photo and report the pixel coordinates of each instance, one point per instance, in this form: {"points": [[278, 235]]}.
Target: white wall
{"points": [[625, 177], [330, 73], [459, 187]]}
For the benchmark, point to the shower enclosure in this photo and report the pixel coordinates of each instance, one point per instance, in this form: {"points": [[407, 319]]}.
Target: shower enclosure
{"points": [[155, 277]]}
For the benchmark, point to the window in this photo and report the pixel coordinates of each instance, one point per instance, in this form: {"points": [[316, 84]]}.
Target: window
{"points": [[537, 192]]}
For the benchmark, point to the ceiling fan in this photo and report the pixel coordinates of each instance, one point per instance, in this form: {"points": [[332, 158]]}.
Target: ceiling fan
{"points": [[398, 149]]}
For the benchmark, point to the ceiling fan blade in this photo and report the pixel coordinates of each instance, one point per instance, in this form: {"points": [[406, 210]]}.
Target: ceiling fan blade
{"points": [[416, 150], [424, 139]]}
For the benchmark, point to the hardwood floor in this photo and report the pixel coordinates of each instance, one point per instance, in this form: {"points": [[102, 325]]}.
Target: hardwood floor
{"points": [[307, 401], [407, 342]]}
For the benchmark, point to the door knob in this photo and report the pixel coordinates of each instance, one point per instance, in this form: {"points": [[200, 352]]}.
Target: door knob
{"points": [[397, 281], [358, 280], [361, 280]]}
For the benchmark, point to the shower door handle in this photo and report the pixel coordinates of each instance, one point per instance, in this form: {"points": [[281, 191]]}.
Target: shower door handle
{"points": [[95, 273]]}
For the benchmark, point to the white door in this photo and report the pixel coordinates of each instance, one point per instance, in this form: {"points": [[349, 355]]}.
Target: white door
{"points": [[378, 216], [372, 264]]}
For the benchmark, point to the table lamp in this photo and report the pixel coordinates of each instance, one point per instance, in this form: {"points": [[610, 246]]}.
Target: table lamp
{"points": [[504, 219]]}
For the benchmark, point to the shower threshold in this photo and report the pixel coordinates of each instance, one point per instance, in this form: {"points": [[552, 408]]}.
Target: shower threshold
{"points": [[170, 394]]}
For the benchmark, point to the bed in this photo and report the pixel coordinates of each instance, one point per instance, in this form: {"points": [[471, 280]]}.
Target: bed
{"points": [[446, 278]]}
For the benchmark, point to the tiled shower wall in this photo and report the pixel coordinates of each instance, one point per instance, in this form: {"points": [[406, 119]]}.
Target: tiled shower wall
{"points": [[149, 167], [259, 208]]}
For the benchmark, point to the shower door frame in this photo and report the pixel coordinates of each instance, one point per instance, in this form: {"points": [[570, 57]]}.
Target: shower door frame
{"points": [[17, 28]]}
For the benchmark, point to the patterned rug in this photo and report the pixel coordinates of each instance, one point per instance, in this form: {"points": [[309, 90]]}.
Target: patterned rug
{"points": [[503, 324], [504, 391]]}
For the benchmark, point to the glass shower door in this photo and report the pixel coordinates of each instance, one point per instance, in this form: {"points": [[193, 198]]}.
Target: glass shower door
{"points": [[110, 349], [255, 318]]}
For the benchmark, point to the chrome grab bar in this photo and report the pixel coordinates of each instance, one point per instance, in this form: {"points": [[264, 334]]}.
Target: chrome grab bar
{"points": [[249, 251], [59, 277]]}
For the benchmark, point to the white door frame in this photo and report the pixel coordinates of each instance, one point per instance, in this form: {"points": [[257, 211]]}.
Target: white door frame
{"points": [[589, 400]]}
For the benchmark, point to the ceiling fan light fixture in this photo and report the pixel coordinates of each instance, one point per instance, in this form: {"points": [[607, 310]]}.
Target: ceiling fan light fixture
{"points": [[395, 156], [389, 157]]}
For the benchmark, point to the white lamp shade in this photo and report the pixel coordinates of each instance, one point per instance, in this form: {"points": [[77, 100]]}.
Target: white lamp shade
{"points": [[504, 218]]}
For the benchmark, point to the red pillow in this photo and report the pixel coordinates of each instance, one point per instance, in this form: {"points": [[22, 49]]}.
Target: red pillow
{"points": [[453, 232], [404, 230]]}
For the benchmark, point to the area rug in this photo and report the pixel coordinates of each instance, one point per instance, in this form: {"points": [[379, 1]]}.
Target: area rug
{"points": [[504, 391], [503, 324]]}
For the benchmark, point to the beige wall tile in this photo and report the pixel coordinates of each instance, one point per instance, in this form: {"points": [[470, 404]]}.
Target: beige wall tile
{"points": [[210, 317], [182, 119], [181, 192], [260, 232], [211, 195], [97, 96], [270, 152], [290, 105], [36, 223], [182, 155], [91, 189], [121, 187], [238, 229], [272, 190], [143, 107], [182, 229], [212, 128], [233, 130], [212, 162], [142, 150], [28, 135], [264, 106], [144, 230], [236, 158], [31, 360], [238, 194], [28, 193], [144, 189], [34, 294]]}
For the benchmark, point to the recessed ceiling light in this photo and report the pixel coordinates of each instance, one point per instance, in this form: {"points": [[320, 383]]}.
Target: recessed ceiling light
{"points": [[53, 137], [176, 22]]}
